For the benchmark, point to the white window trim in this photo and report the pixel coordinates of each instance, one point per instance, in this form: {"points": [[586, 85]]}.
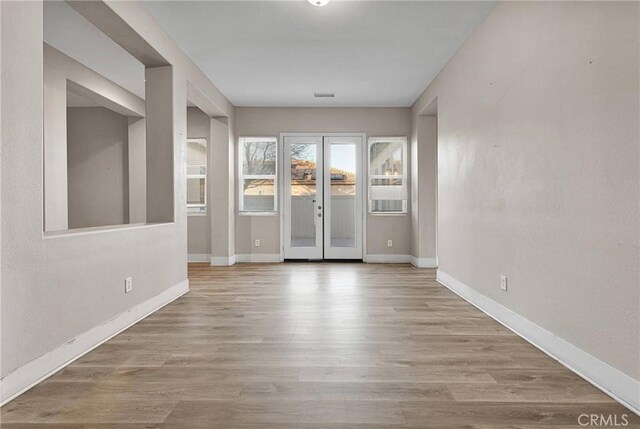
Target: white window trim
{"points": [[370, 142], [200, 176], [242, 177]]}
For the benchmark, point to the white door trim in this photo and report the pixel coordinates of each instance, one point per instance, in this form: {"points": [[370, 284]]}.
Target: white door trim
{"points": [[307, 252], [365, 171], [356, 252]]}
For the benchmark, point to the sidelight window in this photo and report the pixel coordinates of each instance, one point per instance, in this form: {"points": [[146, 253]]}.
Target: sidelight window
{"points": [[388, 175], [258, 174]]}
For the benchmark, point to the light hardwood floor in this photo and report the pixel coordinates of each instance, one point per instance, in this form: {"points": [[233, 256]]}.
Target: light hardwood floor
{"points": [[302, 345]]}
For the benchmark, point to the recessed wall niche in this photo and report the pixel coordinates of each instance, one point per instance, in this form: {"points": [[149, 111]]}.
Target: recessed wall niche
{"points": [[94, 137], [106, 94], [94, 126], [97, 164]]}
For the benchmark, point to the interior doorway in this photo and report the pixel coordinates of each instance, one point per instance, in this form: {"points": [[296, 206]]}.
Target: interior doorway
{"points": [[323, 196]]}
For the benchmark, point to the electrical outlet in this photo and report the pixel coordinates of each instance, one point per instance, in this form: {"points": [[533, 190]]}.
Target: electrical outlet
{"points": [[257, 243], [128, 285], [503, 283], [389, 243]]}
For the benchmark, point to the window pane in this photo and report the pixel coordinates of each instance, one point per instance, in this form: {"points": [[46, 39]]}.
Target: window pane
{"points": [[259, 157], [196, 175], [258, 195], [197, 152], [387, 189], [196, 190], [387, 182], [387, 206], [303, 195], [196, 169], [197, 209], [343, 195], [386, 158]]}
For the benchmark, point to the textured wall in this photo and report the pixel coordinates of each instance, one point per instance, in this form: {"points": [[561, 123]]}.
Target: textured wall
{"points": [[58, 286], [538, 160], [199, 226], [98, 167], [270, 122]]}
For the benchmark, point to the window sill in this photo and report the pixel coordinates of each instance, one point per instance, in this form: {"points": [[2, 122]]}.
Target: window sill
{"points": [[257, 213], [197, 214], [101, 229], [391, 214]]}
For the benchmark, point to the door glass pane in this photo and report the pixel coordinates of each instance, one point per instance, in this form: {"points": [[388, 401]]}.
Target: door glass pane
{"points": [[343, 195], [303, 194]]}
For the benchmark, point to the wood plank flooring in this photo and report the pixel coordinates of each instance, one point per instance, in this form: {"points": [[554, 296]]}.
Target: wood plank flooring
{"points": [[322, 345]]}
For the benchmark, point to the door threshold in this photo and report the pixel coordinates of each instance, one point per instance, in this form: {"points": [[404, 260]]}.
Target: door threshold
{"points": [[325, 260]]}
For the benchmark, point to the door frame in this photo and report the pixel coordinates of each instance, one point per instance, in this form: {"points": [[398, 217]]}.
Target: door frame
{"points": [[363, 168], [315, 252]]}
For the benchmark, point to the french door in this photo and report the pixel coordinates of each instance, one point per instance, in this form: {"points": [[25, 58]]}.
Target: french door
{"points": [[323, 210]]}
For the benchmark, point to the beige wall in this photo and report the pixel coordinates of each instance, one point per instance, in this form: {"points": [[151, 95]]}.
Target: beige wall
{"points": [[97, 163], [213, 235], [424, 153], [137, 145], [199, 226], [270, 122], [538, 161], [222, 173], [60, 75], [58, 286]]}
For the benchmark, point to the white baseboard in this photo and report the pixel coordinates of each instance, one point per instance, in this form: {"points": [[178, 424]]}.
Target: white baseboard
{"points": [[613, 382], [388, 259], [199, 257], [424, 262], [258, 257], [223, 261], [32, 373]]}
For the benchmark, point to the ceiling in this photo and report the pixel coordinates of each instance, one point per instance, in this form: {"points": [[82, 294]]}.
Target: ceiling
{"points": [[278, 53]]}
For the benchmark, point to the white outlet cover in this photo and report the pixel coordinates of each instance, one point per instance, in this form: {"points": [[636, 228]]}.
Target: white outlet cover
{"points": [[257, 243], [503, 283], [389, 243], [128, 285]]}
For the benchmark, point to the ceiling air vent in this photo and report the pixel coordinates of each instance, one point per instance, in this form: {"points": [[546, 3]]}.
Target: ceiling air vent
{"points": [[324, 95]]}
